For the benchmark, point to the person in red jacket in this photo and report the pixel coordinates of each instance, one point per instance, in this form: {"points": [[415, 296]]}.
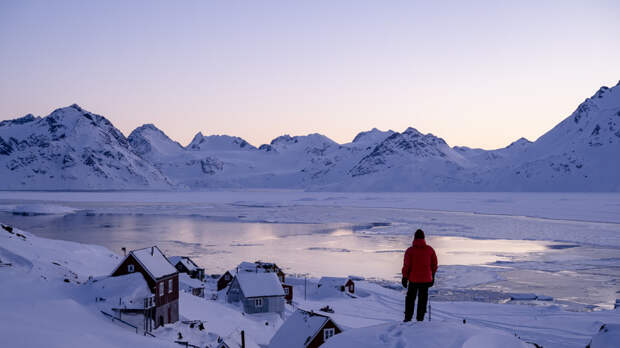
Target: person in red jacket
{"points": [[419, 267]]}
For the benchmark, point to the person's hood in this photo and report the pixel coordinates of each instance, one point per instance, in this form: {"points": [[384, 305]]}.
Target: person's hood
{"points": [[419, 243]]}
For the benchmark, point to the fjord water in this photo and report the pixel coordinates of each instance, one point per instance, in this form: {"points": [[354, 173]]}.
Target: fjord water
{"points": [[334, 249]]}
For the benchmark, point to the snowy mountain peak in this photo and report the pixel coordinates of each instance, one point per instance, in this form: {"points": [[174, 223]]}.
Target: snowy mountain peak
{"points": [[71, 149], [151, 142], [521, 142], [372, 136], [218, 142]]}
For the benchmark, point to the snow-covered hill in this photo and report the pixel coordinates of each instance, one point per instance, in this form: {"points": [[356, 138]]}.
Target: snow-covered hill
{"points": [[75, 149], [71, 149]]}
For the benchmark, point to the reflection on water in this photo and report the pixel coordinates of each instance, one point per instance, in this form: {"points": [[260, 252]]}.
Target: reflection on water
{"points": [[316, 249]]}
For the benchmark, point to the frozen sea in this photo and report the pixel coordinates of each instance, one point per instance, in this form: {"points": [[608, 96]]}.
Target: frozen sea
{"points": [[490, 245]]}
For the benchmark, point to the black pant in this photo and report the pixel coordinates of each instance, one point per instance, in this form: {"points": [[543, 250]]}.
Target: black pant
{"points": [[415, 289]]}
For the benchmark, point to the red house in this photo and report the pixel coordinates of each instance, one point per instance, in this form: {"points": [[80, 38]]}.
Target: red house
{"points": [[162, 278], [288, 293]]}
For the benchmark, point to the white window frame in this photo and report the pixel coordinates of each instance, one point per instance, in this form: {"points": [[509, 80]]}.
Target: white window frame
{"points": [[286, 291], [258, 302], [170, 282], [131, 268], [161, 289], [327, 333]]}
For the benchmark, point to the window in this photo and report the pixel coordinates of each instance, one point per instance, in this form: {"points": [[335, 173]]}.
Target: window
{"points": [[130, 268], [161, 289], [170, 286], [258, 302], [327, 333], [286, 291], [227, 277]]}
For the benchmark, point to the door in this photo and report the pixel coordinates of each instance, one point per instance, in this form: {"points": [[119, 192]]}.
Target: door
{"points": [[161, 320], [169, 314]]}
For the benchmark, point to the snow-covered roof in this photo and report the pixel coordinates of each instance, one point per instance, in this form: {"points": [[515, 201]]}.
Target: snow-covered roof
{"points": [[186, 261], [249, 266], [153, 261], [298, 330], [131, 288], [259, 284], [186, 282], [333, 281]]}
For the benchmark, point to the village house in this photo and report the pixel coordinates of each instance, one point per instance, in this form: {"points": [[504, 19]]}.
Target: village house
{"points": [[224, 280], [186, 265], [257, 292], [162, 279], [191, 285], [304, 329], [339, 283]]}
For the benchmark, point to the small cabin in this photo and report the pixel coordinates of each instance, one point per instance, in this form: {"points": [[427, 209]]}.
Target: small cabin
{"points": [[186, 265], [191, 285], [304, 329], [340, 283], [257, 292], [224, 280], [162, 279]]}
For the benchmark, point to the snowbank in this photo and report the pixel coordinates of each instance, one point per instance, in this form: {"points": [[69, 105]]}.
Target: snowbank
{"points": [[607, 337], [425, 334]]}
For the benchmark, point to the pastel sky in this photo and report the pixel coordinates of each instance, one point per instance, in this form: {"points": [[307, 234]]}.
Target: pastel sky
{"points": [[477, 73]]}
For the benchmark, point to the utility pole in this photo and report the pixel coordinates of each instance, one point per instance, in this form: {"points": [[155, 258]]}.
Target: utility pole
{"points": [[242, 339]]}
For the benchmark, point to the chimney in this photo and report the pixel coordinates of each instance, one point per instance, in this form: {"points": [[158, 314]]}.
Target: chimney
{"points": [[152, 250], [124, 251]]}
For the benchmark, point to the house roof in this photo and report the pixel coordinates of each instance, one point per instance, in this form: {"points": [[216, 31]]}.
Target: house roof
{"points": [[299, 329], [153, 261], [131, 289], [333, 281], [186, 261], [259, 284]]}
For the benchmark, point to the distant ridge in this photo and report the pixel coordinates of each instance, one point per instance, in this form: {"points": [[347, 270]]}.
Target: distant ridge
{"points": [[73, 149]]}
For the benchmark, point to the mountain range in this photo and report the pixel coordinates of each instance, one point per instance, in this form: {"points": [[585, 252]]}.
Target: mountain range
{"points": [[74, 149]]}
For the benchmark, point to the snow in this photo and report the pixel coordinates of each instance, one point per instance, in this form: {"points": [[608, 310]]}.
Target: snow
{"points": [[126, 291], [607, 337], [333, 281], [154, 261], [434, 334], [298, 329], [259, 284]]}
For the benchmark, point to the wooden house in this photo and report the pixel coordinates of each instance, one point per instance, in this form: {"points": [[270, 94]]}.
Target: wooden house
{"points": [[257, 292], [224, 280], [304, 329], [186, 265], [162, 278], [340, 283], [288, 293]]}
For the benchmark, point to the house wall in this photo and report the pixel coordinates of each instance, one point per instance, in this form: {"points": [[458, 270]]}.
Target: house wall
{"points": [[167, 296], [272, 304], [122, 270], [318, 339], [234, 292], [162, 311]]}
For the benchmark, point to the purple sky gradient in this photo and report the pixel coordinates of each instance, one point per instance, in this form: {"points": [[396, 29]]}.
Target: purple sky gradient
{"points": [[477, 73]]}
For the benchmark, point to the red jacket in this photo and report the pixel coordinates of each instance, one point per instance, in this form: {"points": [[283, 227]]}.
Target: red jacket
{"points": [[420, 262]]}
